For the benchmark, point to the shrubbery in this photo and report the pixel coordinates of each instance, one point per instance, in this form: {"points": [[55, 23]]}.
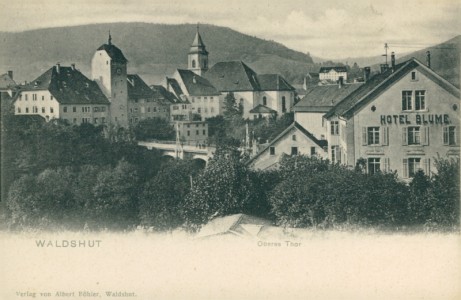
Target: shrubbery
{"points": [[72, 177]]}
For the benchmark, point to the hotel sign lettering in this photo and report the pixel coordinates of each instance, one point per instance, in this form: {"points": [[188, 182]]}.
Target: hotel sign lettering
{"points": [[418, 119]]}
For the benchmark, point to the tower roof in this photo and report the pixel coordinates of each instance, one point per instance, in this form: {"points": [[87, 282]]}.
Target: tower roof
{"points": [[197, 45], [115, 53]]}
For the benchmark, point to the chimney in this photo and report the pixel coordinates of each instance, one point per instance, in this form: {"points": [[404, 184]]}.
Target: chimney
{"points": [[393, 60], [58, 68], [340, 82], [428, 59], [366, 73], [10, 74], [73, 67], [305, 83]]}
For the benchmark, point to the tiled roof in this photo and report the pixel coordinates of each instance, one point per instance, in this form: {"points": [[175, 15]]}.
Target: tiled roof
{"points": [[137, 88], [6, 81], [261, 109], [175, 86], [380, 82], [160, 92], [323, 97], [232, 76], [69, 86], [115, 53], [273, 82], [328, 69], [197, 85], [320, 143]]}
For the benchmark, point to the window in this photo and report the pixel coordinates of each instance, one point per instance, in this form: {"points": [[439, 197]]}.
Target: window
{"points": [[272, 150], [264, 101], [103, 108], [75, 121], [43, 98], [155, 108], [420, 100], [148, 109], [35, 109], [64, 109], [51, 97], [373, 135], [27, 96], [95, 109], [293, 137], [414, 136], [103, 120], [188, 133], [43, 110], [313, 151], [34, 97], [27, 110], [95, 120], [51, 110], [19, 110], [199, 110], [197, 132], [284, 108], [414, 164], [20, 97], [294, 150], [449, 135], [204, 132], [406, 100], [74, 109], [334, 127], [413, 75], [373, 165]]}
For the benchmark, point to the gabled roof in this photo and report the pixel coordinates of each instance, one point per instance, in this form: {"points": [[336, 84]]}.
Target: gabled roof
{"points": [[114, 53], [322, 98], [336, 68], [232, 76], [381, 82], [197, 85], [69, 86], [296, 125], [261, 109], [6, 81], [162, 93], [137, 88], [273, 82], [177, 90]]}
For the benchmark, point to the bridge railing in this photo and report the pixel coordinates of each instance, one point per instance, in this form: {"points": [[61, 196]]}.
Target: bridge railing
{"points": [[186, 143]]}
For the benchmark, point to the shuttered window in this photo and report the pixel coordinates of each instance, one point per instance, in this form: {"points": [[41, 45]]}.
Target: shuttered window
{"points": [[449, 135]]}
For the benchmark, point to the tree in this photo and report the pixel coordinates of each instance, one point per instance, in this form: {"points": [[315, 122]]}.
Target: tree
{"points": [[154, 128], [114, 204], [223, 188], [163, 196], [231, 108]]}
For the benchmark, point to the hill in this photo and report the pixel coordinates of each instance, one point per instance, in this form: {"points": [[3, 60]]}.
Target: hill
{"points": [[153, 50], [445, 59]]}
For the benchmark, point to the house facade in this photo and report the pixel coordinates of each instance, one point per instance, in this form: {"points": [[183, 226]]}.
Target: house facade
{"points": [[332, 73], [63, 93], [399, 120], [295, 140]]}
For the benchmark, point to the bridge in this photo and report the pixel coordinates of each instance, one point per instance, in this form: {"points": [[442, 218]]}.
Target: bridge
{"points": [[183, 150]]}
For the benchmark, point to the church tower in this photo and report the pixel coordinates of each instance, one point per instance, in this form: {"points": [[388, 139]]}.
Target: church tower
{"points": [[109, 70], [198, 56]]}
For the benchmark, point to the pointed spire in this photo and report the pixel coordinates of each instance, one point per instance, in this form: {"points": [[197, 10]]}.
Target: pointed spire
{"points": [[198, 26], [110, 39]]}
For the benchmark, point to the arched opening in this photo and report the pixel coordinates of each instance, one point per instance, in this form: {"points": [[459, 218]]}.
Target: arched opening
{"points": [[264, 101], [199, 163]]}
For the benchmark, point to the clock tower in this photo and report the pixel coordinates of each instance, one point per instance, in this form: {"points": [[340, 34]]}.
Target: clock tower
{"points": [[109, 70]]}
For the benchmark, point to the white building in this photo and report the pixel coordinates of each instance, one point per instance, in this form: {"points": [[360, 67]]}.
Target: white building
{"points": [[398, 120], [332, 73]]}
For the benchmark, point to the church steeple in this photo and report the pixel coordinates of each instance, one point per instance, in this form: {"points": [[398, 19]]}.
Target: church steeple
{"points": [[198, 56], [110, 39]]}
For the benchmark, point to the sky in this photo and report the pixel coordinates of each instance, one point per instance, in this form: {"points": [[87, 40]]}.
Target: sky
{"points": [[324, 28]]}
